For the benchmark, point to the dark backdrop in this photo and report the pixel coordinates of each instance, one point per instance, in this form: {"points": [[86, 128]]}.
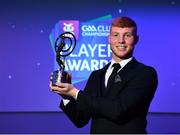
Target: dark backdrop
{"points": [[27, 58]]}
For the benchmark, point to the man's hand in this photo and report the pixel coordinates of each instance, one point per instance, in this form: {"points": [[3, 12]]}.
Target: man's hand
{"points": [[65, 89]]}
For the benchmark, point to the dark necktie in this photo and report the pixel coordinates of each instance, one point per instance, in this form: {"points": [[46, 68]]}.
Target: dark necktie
{"points": [[116, 66]]}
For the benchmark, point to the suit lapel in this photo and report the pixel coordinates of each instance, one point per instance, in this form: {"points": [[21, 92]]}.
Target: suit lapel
{"points": [[102, 87], [122, 77], [129, 68]]}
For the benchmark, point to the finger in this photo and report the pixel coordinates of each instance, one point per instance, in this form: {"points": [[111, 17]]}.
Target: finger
{"points": [[55, 91], [62, 85], [54, 88], [59, 89]]}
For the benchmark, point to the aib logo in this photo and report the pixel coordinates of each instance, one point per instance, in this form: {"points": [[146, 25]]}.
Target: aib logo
{"points": [[70, 26]]}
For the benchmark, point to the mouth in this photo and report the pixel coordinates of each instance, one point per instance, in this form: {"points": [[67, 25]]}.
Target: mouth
{"points": [[121, 46]]}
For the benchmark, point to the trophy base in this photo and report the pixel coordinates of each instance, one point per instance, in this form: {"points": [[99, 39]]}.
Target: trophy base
{"points": [[61, 76]]}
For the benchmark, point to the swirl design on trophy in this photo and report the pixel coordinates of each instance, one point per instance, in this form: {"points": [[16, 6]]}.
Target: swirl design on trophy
{"points": [[64, 46]]}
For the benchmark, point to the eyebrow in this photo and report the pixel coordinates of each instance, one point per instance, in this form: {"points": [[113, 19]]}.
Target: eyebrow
{"points": [[123, 33]]}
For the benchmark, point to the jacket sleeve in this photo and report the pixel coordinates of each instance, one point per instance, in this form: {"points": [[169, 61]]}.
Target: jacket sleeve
{"points": [[78, 116], [134, 99]]}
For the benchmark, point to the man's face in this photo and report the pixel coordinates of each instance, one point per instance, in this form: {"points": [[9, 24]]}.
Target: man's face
{"points": [[122, 42]]}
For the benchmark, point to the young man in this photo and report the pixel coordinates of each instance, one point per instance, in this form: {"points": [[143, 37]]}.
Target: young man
{"points": [[116, 97]]}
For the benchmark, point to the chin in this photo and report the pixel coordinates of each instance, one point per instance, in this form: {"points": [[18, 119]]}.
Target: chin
{"points": [[124, 56]]}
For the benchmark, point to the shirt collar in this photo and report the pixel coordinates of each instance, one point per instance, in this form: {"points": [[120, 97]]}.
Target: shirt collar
{"points": [[122, 63]]}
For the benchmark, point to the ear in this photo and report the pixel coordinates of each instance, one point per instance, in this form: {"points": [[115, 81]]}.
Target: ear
{"points": [[136, 39]]}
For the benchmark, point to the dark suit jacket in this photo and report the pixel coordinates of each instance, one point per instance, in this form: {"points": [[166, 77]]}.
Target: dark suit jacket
{"points": [[122, 108]]}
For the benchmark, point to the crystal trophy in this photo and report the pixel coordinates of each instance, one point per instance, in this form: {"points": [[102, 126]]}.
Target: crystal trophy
{"points": [[64, 46]]}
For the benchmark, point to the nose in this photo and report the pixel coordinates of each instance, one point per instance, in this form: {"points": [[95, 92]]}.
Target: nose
{"points": [[121, 39]]}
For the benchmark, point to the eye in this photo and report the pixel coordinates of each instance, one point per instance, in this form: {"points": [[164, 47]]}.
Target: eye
{"points": [[128, 35], [114, 34]]}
